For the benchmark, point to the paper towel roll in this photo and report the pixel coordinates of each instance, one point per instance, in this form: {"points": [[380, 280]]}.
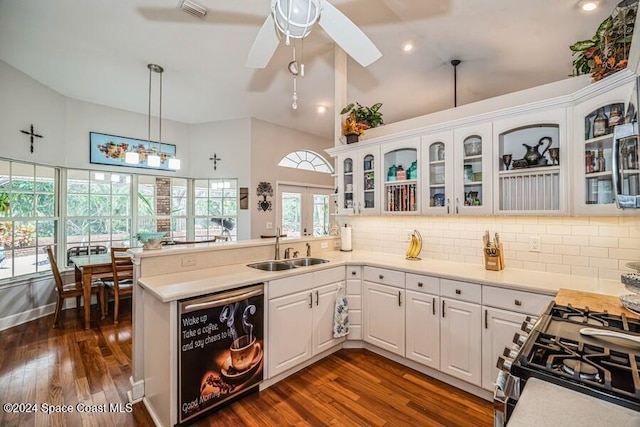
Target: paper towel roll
{"points": [[345, 236]]}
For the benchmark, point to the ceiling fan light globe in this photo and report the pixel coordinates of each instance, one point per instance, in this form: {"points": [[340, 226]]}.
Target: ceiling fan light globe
{"points": [[295, 18]]}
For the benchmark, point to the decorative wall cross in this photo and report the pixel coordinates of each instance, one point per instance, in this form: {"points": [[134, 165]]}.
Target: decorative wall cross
{"points": [[215, 159], [32, 134]]}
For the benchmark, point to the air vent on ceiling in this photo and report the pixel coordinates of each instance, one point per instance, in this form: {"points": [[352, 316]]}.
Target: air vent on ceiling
{"points": [[192, 8]]}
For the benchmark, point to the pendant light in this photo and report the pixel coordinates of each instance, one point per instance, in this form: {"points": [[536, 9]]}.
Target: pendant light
{"points": [[155, 160]]}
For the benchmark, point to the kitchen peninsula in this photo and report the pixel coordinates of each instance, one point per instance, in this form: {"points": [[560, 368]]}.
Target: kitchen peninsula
{"points": [[169, 275]]}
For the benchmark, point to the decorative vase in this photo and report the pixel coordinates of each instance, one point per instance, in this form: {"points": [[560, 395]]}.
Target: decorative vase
{"points": [[351, 138]]}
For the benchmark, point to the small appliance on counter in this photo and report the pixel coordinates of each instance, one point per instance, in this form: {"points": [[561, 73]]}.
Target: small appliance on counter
{"points": [[572, 348], [345, 238]]}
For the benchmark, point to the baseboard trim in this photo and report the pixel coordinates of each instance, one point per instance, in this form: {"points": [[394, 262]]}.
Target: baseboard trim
{"points": [[152, 413], [26, 316], [136, 394]]}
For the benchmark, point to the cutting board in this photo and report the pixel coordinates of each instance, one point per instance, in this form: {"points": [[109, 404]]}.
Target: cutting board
{"points": [[595, 302]]}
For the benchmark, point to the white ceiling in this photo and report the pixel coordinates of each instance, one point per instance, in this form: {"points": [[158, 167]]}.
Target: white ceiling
{"points": [[98, 51]]}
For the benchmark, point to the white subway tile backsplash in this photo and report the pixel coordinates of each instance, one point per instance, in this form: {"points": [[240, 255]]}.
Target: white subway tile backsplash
{"points": [[585, 246]]}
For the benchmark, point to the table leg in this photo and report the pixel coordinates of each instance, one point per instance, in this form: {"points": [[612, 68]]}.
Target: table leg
{"points": [[86, 284]]}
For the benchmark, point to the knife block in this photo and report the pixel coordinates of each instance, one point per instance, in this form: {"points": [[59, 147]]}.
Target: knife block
{"points": [[494, 261]]}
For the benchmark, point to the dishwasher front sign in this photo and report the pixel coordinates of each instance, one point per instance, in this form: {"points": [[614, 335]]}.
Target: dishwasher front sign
{"points": [[221, 349]]}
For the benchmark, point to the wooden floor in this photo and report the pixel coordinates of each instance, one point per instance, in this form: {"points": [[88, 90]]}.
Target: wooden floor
{"points": [[71, 366]]}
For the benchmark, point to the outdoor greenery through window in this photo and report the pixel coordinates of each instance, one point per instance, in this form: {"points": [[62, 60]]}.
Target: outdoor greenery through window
{"points": [[98, 211], [28, 217], [216, 208], [162, 206]]}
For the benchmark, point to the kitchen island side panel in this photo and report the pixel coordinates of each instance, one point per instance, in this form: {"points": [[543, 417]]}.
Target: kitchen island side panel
{"points": [[160, 360]]}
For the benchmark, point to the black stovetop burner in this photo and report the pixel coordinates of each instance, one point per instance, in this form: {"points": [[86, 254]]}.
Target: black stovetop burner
{"points": [[555, 351]]}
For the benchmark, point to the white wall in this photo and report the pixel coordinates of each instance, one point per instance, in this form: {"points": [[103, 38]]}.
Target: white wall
{"points": [[583, 246], [269, 144]]}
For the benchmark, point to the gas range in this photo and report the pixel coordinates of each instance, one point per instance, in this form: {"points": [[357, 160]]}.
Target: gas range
{"points": [[553, 349]]}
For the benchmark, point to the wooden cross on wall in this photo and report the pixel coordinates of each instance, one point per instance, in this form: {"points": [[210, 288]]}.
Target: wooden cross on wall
{"points": [[215, 159], [31, 133]]}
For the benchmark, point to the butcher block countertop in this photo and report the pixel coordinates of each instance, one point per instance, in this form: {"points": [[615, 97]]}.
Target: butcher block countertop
{"points": [[595, 302]]}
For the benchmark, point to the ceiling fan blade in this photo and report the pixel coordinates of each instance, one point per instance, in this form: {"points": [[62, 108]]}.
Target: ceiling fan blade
{"points": [[264, 46], [348, 36]]}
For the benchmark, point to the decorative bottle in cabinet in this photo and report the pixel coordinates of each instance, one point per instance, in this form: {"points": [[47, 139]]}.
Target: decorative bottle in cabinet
{"points": [[600, 124], [400, 168]]}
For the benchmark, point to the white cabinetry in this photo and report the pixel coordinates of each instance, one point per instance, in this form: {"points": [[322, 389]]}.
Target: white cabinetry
{"points": [[593, 190], [423, 320], [400, 169], [472, 170], [384, 309], [437, 176], [460, 331], [531, 187], [354, 297], [301, 317], [502, 323], [359, 182]]}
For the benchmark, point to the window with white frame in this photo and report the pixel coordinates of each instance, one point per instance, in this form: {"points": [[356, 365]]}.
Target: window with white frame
{"points": [[28, 217], [306, 160], [216, 208], [162, 205], [98, 211]]}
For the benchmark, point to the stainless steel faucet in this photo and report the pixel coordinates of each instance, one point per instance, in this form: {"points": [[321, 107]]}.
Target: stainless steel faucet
{"points": [[308, 249], [287, 253], [277, 254]]}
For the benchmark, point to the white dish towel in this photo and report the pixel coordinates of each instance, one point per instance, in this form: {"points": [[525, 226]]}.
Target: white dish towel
{"points": [[341, 317]]}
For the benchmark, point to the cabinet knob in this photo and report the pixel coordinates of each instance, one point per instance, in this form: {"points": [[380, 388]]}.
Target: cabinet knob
{"points": [[380, 276], [353, 273], [419, 284], [518, 302], [458, 292]]}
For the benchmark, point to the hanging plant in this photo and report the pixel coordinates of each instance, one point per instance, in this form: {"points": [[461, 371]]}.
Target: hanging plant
{"points": [[608, 50]]}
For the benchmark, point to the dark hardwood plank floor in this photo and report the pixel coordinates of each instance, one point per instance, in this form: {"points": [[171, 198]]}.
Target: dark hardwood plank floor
{"points": [[71, 366]]}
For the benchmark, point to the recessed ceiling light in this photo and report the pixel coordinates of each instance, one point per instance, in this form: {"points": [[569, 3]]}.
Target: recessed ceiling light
{"points": [[407, 47], [588, 5], [322, 109]]}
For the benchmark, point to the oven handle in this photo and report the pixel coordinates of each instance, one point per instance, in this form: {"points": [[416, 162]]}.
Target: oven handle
{"points": [[222, 301], [500, 401]]}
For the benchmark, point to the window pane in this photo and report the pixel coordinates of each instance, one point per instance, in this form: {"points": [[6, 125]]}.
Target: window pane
{"points": [[77, 204], [120, 205], [292, 214], [100, 205], [320, 215], [201, 207], [22, 205], [45, 205]]}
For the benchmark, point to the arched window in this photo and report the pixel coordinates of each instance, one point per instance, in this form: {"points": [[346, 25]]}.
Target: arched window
{"points": [[307, 160]]}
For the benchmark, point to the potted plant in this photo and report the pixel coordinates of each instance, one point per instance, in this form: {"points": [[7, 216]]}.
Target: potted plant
{"points": [[608, 50], [359, 119]]}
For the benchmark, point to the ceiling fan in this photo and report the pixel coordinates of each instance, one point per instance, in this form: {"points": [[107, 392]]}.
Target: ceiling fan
{"points": [[296, 18]]}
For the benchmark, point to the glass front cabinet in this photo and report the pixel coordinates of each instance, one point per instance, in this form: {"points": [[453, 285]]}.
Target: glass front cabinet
{"points": [[437, 179], [358, 182], [595, 120], [531, 163], [400, 169], [472, 170]]}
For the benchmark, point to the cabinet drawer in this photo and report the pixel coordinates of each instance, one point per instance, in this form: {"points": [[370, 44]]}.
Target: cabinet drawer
{"points": [[331, 275], [354, 272], [427, 284], [355, 317], [354, 287], [355, 302], [463, 291], [290, 285], [509, 299], [384, 276]]}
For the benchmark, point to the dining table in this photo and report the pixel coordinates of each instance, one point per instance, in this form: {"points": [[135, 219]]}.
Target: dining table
{"points": [[87, 269]]}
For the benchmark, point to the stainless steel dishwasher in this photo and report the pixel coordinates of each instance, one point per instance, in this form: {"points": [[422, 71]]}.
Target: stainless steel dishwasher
{"points": [[221, 349]]}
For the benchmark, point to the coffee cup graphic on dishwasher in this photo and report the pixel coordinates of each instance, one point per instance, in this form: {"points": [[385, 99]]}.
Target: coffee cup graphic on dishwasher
{"points": [[243, 351]]}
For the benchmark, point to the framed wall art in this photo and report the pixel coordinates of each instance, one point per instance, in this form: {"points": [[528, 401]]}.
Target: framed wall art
{"points": [[110, 150]]}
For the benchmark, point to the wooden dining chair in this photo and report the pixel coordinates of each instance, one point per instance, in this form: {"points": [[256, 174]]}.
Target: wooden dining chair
{"points": [[121, 284], [64, 291]]}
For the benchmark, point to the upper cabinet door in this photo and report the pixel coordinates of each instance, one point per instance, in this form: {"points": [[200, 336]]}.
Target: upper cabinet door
{"points": [[594, 120], [531, 163], [346, 194], [473, 148], [368, 181], [437, 173], [400, 171]]}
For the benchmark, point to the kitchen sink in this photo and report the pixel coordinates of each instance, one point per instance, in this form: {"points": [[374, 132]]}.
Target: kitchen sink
{"points": [[272, 265], [305, 262]]}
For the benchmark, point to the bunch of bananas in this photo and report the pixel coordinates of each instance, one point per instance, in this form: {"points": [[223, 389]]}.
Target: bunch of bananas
{"points": [[415, 246]]}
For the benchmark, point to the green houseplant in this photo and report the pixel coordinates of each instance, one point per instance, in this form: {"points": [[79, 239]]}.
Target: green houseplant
{"points": [[608, 50], [359, 119]]}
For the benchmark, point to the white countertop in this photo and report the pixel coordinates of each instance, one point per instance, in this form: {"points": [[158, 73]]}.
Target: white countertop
{"points": [[175, 286], [545, 404]]}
